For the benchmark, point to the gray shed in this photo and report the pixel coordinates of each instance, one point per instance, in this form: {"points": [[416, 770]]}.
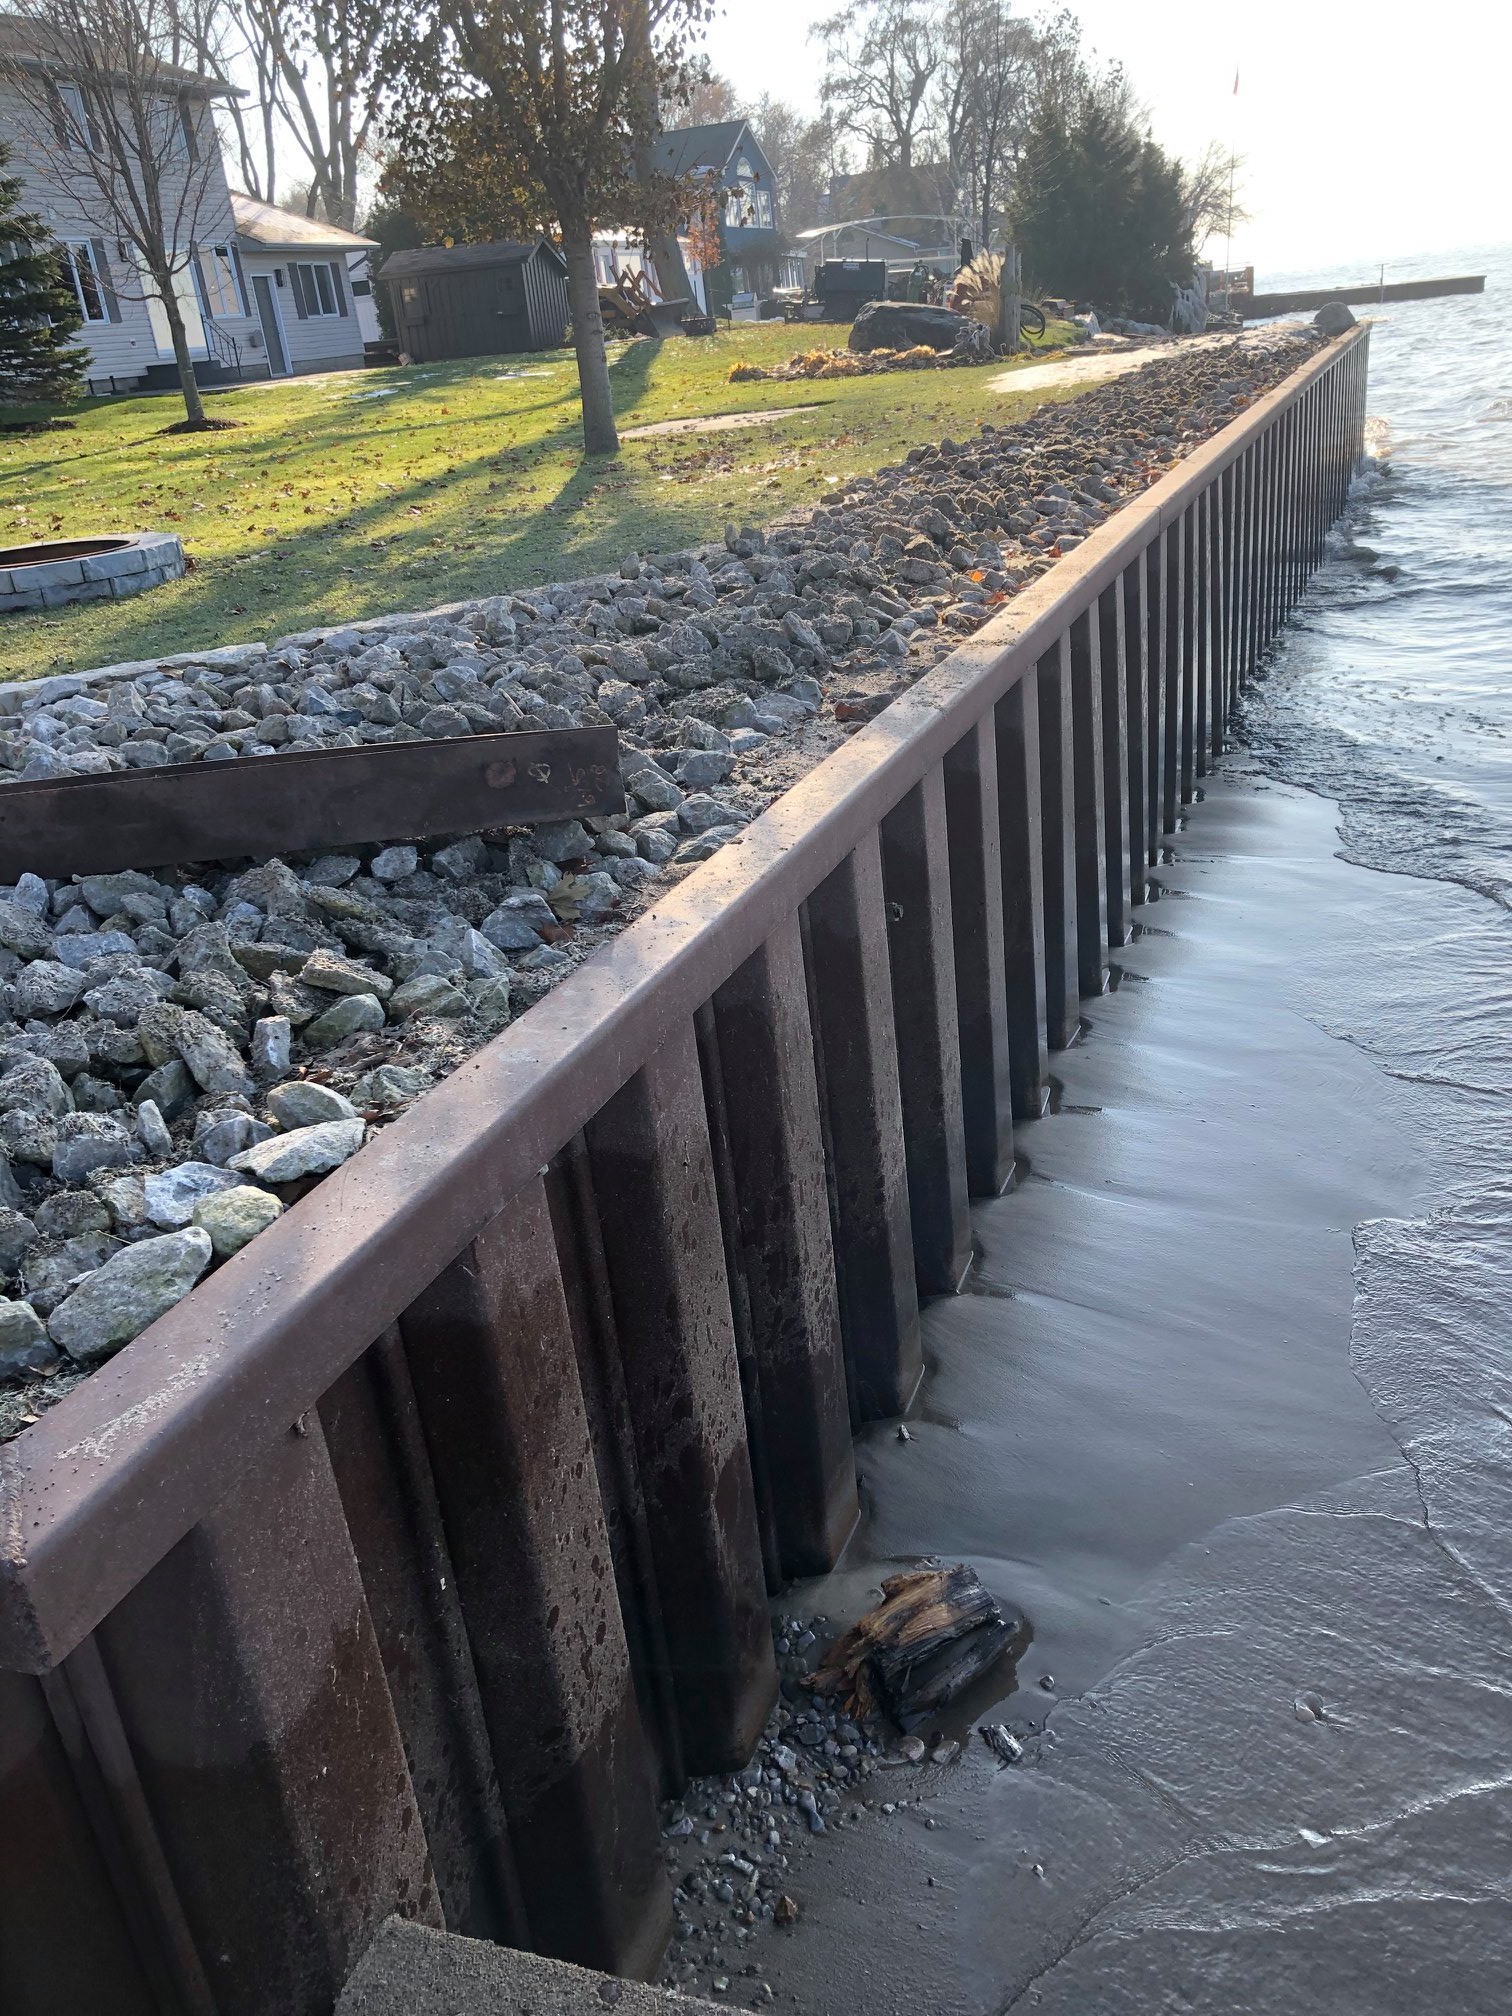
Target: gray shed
{"points": [[477, 300]]}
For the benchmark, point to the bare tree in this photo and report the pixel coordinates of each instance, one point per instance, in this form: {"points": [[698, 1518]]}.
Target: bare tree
{"points": [[710, 100], [880, 60], [986, 87], [106, 101], [313, 71], [802, 152], [1212, 191]]}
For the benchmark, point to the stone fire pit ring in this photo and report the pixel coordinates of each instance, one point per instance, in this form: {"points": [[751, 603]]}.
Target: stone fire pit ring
{"points": [[51, 572]]}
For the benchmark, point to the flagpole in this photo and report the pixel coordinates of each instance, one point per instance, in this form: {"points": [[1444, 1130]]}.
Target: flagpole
{"points": [[1228, 236]]}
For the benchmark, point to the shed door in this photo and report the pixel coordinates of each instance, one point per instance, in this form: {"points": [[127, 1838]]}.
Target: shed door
{"points": [[476, 314]]}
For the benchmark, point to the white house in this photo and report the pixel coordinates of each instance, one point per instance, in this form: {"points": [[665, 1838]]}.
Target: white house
{"points": [[265, 293], [308, 287]]}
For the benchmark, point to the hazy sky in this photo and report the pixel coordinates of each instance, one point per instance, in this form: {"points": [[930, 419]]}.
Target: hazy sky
{"points": [[1368, 129]]}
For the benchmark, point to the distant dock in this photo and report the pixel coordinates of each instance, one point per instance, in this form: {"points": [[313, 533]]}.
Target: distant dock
{"points": [[1254, 306]]}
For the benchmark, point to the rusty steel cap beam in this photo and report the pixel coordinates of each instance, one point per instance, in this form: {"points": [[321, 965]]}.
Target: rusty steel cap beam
{"points": [[97, 1491]]}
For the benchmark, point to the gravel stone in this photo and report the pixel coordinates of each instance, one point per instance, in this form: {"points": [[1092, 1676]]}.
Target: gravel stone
{"points": [[47, 987], [28, 1137], [23, 932], [336, 975], [24, 1344], [234, 1217], [394, 864], [303, 1103], [563, 840], [69, 1214], [270, 1049], [307, 1151], [427, 994], [352, 1015], [17, 1232], [152, 1130], [35, 1086], [389, 1088], [172, 1194], [212, 1059], [228, 1136], [84, 1142], [131, 1290], [169, 1088]]}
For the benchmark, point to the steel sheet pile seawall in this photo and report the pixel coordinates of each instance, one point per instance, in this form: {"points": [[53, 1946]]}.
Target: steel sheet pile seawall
{"points": [[406, 1561]]}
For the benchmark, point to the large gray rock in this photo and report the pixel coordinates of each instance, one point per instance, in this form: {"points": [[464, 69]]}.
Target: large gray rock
{"points": [[133, 1288], [904, 325], [410, 1970], [1333, 318], [308, 1151]]}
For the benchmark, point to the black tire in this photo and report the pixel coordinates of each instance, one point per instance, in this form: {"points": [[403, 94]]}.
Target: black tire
{"points": [[1031, 319]]}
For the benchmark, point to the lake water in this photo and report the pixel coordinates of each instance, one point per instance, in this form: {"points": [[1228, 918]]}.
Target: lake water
{"points": [[1394, 693]]}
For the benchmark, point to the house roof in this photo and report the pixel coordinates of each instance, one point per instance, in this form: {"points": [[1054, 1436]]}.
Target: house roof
{"points": [[868, 230], [465, 258], [269, 229], [34, 45], [688, 147]]}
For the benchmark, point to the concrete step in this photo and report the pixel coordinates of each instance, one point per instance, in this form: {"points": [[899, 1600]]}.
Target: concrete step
{"points": [[410, 1970]]}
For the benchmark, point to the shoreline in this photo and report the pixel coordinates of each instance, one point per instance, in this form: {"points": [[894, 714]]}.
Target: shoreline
{"points": [[1184, 1474]]}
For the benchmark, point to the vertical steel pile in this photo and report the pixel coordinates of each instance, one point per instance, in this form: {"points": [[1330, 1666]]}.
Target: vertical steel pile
{"points": [[406, 1562]]}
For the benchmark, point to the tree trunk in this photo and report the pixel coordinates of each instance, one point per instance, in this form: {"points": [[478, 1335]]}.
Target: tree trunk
{"points": [[599, 435], [671, 267], [194, 405]]}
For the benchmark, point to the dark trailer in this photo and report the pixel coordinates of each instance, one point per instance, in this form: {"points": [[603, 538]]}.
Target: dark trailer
{"points": [[477, 300]]}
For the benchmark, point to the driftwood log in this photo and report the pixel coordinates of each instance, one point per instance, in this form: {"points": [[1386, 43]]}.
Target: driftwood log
{"points": [[934, 1632]]}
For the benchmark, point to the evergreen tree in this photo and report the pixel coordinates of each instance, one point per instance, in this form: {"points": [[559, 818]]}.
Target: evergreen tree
{"points": [[39, 312], [1100, 211]]}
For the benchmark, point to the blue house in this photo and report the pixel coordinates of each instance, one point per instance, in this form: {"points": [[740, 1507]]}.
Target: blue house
{"points": [[755, 254]]}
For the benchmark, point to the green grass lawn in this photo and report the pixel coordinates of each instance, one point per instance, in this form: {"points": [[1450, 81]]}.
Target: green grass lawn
{"points": [[368, 492]]}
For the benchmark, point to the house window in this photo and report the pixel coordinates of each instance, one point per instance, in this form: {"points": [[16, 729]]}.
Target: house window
{"points": [[317, 290], [218, 288], [75, 128], [746, 202], [79, 256]]}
